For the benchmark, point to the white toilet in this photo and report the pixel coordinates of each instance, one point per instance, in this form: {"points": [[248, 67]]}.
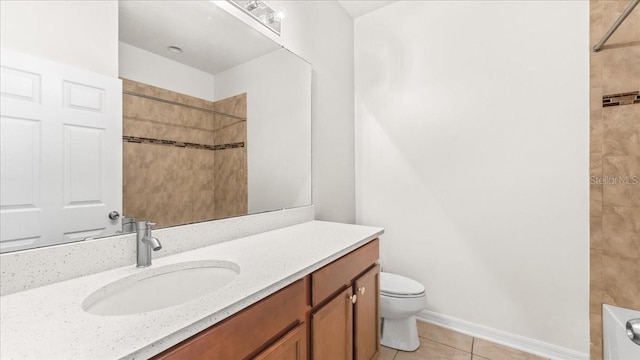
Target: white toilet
{"points": [[401, 299]]}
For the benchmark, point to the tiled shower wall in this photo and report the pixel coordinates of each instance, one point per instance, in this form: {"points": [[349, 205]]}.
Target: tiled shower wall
{"points": [[230, 177], [182, 164], [614, 165]]}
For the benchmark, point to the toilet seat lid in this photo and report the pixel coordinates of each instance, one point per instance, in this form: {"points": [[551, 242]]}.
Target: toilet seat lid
{"points": [[399, 285]]}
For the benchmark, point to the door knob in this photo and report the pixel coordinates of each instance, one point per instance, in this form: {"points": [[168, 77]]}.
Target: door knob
{"points": [[361, 290], [353, 298], [114, 215]]}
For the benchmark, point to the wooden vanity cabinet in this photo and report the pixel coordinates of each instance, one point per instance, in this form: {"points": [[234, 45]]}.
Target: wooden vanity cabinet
{"points": [[251, 331], [331, 314], [345, 319]]}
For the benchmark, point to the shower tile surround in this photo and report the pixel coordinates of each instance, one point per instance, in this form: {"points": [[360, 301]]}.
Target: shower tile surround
{"points": [[614, 165], [141, 140], [181, 164], [621, 99]]}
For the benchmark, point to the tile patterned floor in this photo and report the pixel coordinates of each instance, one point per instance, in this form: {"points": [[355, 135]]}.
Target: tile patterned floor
{"points": [[438, 343]]}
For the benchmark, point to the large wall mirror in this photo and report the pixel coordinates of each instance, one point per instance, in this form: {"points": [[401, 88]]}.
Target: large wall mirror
{"points": [[216, 122]]}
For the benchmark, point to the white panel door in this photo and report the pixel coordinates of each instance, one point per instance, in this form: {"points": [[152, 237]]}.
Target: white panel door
{"points": [[61, 152]]}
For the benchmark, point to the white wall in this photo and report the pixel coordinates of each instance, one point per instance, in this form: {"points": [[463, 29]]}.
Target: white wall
{"points": [[322, 33], [146, 67], [279, 166], [472, 152], [83, 34]]}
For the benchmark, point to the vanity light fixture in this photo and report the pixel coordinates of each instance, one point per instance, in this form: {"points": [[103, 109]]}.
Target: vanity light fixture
{"points": [[174, 49], [279, 15], [261, 11], [252, 5], [275, 17]]}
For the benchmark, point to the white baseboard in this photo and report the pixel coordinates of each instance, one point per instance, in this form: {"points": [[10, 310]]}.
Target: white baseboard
{"points": [[537, 347]]}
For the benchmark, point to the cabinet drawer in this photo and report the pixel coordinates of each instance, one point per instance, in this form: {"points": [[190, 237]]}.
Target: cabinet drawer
{"points": [[331, 278], [247, 332]]}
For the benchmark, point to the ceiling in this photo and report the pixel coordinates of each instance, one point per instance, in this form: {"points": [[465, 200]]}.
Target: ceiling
{"points": [[357, 8], [211, 39]]}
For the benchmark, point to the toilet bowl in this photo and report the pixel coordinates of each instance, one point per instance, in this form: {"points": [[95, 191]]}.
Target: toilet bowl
{"points": [[401, 299]]}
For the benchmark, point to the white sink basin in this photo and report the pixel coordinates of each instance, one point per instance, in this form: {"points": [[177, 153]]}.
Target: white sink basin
{"points": [[161, 287]]}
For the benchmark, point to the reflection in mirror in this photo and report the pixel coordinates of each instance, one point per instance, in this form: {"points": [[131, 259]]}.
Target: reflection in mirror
{"points": [[262, 12], [225, 142], [215, 123], [184, 158]]}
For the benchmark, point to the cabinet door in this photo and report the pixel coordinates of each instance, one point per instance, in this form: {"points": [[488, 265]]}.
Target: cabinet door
{"points": [[367, 315], [332, 329], [292, 346]]}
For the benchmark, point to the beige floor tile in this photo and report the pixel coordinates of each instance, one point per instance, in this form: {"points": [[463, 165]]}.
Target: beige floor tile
{"points": [[478, 357], [445, 336], [431, 350], [387, 353], [498, 352]]}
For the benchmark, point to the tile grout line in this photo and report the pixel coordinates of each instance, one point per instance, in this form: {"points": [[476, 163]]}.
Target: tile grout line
{"points": [[473, 343], [425, 335], [447, 345]]}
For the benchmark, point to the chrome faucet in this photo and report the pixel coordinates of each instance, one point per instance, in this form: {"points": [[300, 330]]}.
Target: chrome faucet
{"points": [[145, 243], [128, 225]]}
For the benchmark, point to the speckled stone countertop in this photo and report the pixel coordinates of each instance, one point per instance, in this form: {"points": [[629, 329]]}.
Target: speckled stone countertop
{"points": [[48, 322]]}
